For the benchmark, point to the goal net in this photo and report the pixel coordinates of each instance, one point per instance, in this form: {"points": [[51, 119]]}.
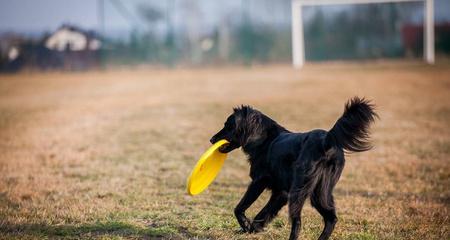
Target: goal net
{"points": [[298, 36]]}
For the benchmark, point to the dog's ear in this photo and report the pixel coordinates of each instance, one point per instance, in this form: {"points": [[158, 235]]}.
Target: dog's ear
{"points": [[250, 125], [240, 114], [257, 130]]}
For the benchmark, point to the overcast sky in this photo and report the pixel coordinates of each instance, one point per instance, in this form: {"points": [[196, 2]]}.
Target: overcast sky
{"points": [[38, 15], [47, 15]]}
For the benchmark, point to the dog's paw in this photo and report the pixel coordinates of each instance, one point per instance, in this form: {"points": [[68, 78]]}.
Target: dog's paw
{"points": [[241, 231], [244, 230], [246, 226], [256, 227]]}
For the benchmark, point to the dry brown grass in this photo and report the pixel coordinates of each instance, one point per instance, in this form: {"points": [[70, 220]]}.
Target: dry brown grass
{"points": [[106, 154]]}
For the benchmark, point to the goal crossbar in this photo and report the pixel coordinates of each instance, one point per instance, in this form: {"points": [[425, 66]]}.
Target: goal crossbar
{"points": [[298, 46]]}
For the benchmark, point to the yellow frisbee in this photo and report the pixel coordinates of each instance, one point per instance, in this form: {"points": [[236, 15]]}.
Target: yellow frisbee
{"points": [[206, 169]]}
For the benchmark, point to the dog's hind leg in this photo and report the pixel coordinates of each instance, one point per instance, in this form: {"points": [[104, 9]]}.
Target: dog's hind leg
{"points": [[322, 200], [296, 202], [322, 196], [297, 196], [306, 176], [277, 200]]}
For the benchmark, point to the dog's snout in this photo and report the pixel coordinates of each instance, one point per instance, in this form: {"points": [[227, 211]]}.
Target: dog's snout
{"points": [[212, 140]]}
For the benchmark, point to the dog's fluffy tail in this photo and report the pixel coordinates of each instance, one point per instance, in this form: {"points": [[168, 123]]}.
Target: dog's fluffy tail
{"points": [[351, 131]]}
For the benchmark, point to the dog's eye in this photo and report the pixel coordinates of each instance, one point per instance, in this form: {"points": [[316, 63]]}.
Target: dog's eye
{"points": [[228, 125]]}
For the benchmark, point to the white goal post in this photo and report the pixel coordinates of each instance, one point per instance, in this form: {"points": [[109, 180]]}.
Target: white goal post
{"points": [[298, 46]]}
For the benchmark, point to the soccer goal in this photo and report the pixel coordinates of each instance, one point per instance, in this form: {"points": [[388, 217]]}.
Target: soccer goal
{"points": [[298, 47]]}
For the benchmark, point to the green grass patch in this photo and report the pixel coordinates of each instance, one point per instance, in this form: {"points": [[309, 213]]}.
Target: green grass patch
{"points": [[95, 230]]}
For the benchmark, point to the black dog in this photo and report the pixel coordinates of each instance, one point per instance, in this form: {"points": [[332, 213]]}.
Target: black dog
{"points": [[294, 166]]}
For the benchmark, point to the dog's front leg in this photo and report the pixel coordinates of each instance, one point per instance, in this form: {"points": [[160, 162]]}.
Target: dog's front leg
{"points": [[276, 202], [255, 189]]}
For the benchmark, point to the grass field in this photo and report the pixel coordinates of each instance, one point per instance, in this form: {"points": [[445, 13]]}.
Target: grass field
{"points": [[105, 154]]}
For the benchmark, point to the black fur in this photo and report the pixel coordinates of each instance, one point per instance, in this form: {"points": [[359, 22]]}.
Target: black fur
{"points": [[294, 166]]}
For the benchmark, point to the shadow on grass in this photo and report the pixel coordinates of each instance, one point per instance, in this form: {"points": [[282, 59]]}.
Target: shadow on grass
{"points": [[431, 197], [95, 230]]}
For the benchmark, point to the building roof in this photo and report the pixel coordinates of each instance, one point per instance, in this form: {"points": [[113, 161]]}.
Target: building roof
{"points": [[72, 38]]}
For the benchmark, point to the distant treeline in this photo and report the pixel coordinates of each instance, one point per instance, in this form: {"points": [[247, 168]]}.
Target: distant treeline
{"points": [[246, 44], [370, 31], [362, 32]]}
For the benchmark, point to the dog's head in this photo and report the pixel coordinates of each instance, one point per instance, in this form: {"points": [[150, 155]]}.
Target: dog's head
{"points": [[246, 126]]}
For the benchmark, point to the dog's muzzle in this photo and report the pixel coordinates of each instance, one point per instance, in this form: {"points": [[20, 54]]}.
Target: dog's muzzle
{"points": [[228, 147]]}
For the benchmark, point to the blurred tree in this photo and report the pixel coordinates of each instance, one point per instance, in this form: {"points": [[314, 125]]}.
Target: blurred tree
{"points": [[169, 42], [150, 13], [362, 31], [146, 46], [193, 26]]}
